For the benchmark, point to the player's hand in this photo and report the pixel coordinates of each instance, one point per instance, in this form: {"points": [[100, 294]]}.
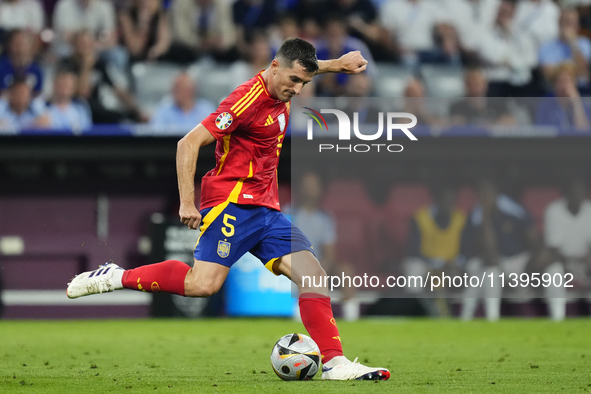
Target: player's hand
{"points": [[190, 216], [352, 63]]}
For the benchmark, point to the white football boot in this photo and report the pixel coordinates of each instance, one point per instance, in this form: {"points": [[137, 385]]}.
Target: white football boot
{"points": [[103, 280], [340, 368]]}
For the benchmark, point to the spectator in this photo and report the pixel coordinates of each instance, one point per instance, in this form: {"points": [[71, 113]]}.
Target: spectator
{"points": [[538, 18], [471, 18], [359, 88], [319, 227], [64, 111], [567, 232], [287, 26], [250, 17], [18, 111], [260, 54], [414, 25], [414, 102], [361, 20], [509, 55], [434, 239], [95, 77], [185, 109], [145, 30], [476, 108], [499, 237], [202, 27], [569, 46], [335, 43], [258, 57], [565, 108], [95, 16], [23, 15], [19, 62]]}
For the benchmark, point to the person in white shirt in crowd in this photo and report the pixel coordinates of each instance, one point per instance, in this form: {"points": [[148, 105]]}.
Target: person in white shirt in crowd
{"points": [[414, 25], [568, 46], [185, 109], [202, 27], [64, 111], [260, 54], [320, 229], [538, 18], [18, 111], [95, 16], [567, 233], [22, 14], [471, 18], [509, 55]]}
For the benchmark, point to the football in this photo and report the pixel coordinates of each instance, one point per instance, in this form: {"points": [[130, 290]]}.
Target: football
{"points": [[295, 357]]}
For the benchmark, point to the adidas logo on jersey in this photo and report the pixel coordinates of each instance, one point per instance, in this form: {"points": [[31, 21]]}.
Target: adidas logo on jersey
{"points": [[270, 121]]}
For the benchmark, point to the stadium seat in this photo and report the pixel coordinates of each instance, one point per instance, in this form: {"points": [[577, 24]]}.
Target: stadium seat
{"points": [[536, 199], [213, 82], [357, 224], [443, 81], [402, 203], [466, 199], [392, 80], [152, 82]]}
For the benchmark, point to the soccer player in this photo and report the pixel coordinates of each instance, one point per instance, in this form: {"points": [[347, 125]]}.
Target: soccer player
{"points": [[240, 205]]}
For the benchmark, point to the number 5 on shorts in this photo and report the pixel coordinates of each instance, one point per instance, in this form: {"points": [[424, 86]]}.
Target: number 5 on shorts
{"points": [[228, 231]]}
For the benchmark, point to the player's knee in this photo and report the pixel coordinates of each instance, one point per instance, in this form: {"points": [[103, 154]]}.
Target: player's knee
{"points": [[313, 272], [195, 288]]}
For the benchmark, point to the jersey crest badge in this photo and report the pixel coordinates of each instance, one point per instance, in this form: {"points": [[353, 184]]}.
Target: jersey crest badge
{"points": [[281, 119], [224, 249], [224, 120]]}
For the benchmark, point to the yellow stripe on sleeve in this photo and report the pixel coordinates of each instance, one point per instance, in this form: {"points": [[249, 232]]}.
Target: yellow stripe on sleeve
{"points": [[245, 102], [250, 102], [245, 97]]}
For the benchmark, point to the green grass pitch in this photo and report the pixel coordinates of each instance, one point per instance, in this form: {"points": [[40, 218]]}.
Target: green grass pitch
{"points": [[232, 355]]}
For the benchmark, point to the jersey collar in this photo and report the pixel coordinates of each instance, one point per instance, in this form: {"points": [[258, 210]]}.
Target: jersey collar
{"points": [[260, 77]]}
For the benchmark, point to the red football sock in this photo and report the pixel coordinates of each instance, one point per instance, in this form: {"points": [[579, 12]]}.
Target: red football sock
{"points": [[168, 276], [317, 317]]}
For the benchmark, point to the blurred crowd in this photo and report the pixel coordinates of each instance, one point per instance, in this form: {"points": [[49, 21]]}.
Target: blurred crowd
{"points": [[538, 241], [505, 48]]}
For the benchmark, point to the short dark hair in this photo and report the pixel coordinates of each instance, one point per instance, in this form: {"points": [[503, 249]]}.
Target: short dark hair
{"points": [[296, 49]]}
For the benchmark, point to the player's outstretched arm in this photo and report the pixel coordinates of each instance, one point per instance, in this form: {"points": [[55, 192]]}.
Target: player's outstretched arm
{"points": [[186, 162], [350, 63]]}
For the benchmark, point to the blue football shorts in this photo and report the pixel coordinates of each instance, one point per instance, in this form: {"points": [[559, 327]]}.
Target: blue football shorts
{"points": [[229, 230]]}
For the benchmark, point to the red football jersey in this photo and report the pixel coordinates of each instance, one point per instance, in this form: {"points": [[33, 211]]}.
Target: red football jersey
{"points": [[249, 127]]}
